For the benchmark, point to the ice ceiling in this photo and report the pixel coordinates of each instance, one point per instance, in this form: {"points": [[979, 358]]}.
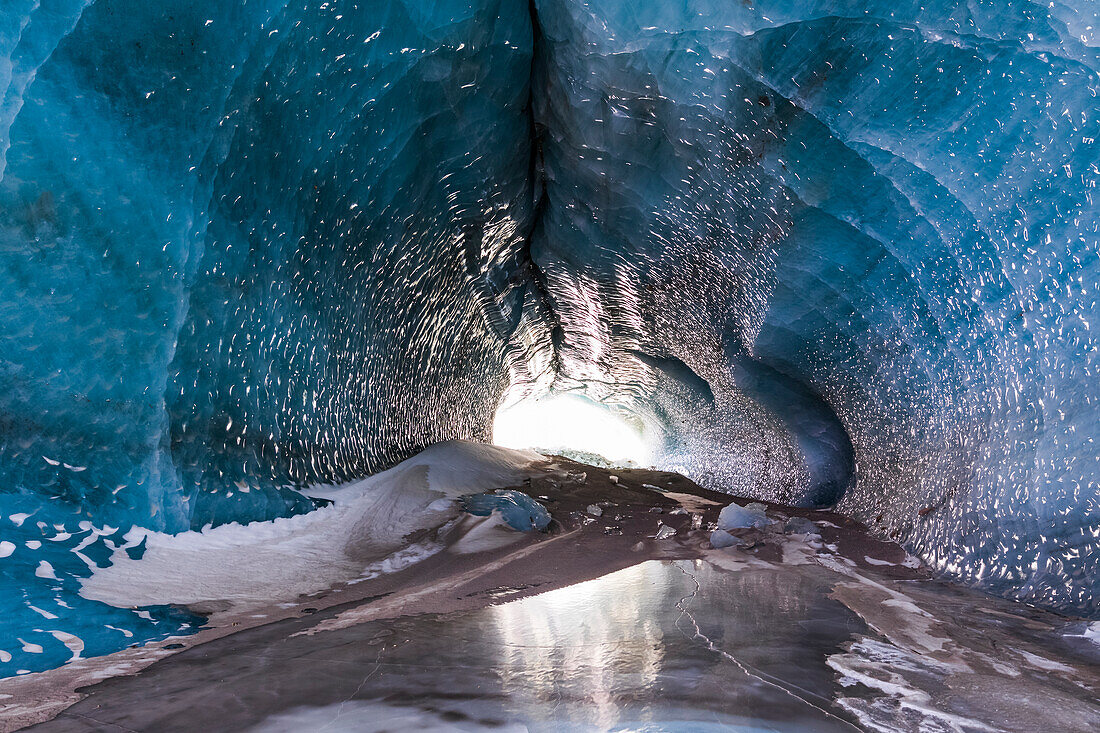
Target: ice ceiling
{"points": [[822, 250]]}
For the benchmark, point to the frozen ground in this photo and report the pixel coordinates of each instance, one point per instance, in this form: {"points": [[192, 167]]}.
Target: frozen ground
{"points": [[803, 623], [723, 642]]}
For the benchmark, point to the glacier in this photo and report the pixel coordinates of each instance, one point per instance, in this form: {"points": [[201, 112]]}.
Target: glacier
{"points": [[824, 254]]}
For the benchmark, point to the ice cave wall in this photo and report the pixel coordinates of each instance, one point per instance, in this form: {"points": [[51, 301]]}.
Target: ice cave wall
{"points": [[878, 216], [253, 245], [244, 246], [822, 250]]}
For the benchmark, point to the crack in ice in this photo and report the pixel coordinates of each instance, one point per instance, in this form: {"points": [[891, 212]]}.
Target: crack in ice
{"points": [[359, 687], [762, 677]]}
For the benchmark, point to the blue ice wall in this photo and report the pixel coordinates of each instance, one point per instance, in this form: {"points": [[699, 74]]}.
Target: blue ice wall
{"points": [[882, 212], [244, 246], [825, 250]]}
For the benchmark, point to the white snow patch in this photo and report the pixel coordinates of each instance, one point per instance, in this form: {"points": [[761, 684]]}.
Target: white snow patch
{"points": [[882, 667], [264, 563], [74, 643], [403, 558], [1043, 663], [42, 612]]}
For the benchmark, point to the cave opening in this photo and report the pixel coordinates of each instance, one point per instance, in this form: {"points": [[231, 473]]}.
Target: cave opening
{"points": [[574, 425]]}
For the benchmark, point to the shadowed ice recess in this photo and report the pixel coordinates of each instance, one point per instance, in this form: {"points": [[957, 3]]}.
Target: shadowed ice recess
{"points": [[815, 253]]}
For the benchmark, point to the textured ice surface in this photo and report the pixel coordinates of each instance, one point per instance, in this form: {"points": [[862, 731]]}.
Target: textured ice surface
{"points": [[823, 251], [806, 236], [243, 247]]}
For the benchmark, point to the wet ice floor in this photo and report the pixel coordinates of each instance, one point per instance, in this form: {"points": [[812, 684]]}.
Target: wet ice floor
{"points": [[720, 643], [617, 652]]}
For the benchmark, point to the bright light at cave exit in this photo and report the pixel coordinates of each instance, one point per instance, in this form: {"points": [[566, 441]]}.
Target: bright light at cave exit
{"points": [[570, 422]]}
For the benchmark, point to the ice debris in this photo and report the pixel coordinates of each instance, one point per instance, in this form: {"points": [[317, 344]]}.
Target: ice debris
{"points": [[720, 538], [664, 532], [750, 516], [517, 509], [800, 525]]}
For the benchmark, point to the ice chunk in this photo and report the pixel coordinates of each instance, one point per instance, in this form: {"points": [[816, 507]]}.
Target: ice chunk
{"points": [[664, 532], [518, 510], [800, 525], [750, 516], [720, 538]]}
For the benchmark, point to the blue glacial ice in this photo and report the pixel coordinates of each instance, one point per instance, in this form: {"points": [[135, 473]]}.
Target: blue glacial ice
{"points": [[518, 510], [750, 516], [827, 253], [836, 251]]}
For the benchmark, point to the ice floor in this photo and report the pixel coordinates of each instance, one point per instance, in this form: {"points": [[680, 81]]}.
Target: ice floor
{"points": [[628, 612], [725, 642]]}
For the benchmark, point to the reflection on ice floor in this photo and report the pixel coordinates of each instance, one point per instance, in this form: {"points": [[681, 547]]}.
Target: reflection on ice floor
{"points": [[642, 659], [719, 643]]}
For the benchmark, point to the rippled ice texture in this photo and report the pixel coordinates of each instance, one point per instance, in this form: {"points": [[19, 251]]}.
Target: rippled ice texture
{"points": [[771, 219], [244, 247], [822, 250]]}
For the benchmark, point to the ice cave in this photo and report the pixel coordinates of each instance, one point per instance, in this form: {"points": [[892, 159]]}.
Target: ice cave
{"points": [[549, 365]]}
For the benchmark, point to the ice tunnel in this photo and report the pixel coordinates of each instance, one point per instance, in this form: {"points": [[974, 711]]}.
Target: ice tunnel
{"points": [[823, 253]]}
